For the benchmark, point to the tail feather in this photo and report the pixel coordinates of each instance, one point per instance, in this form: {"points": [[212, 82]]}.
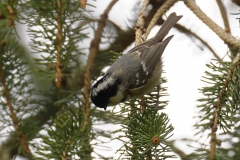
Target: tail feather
{"points": [[167, 25]]}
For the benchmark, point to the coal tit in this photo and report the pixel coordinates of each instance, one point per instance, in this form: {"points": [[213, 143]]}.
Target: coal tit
{"points": [[135, 73]]}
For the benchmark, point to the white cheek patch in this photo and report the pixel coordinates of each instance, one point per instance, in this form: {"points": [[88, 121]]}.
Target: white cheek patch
{"points": [[101, 86]]}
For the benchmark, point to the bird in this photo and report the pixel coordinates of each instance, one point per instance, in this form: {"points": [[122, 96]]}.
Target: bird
{"points": [[136, 73]]}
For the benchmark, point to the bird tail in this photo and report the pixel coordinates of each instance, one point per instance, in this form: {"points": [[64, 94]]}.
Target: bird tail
{"points": [[167, 25]]}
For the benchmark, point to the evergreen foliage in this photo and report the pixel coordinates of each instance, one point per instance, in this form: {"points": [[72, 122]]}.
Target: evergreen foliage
{"points": [[145, 128], [66, 137], [45, 112]]}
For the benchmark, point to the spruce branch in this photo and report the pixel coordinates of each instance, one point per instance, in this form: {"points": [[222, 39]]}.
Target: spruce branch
{"points": [[43, 15], [158, 14], [142, 128], [217, 105], [225, 36], [140, 23], [6, 91], [34, 123], [66, 137], [13, 115], [148, 133], [221, 102]]}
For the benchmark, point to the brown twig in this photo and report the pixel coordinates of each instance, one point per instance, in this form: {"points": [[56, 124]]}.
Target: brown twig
{"points": [[140, 23], [91, 57], [224, 15], [188, 31], [213, 146], [15, 120], [12, 15], [59, 75], [142, 103], [226, 24], [83, 3], [158, 14], [225, 36]]}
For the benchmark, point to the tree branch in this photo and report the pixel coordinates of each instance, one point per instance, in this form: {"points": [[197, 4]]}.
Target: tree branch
{"points": [[226, 37], [140, 23], [94, 46], [19, 132], [213, 146], [224, 15]]}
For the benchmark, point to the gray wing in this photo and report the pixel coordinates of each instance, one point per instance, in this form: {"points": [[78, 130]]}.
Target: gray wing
{"points": [[151, 51]]}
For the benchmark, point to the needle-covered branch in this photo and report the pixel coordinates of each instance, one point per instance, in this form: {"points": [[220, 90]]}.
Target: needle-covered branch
{"points": [[7, 96]]}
